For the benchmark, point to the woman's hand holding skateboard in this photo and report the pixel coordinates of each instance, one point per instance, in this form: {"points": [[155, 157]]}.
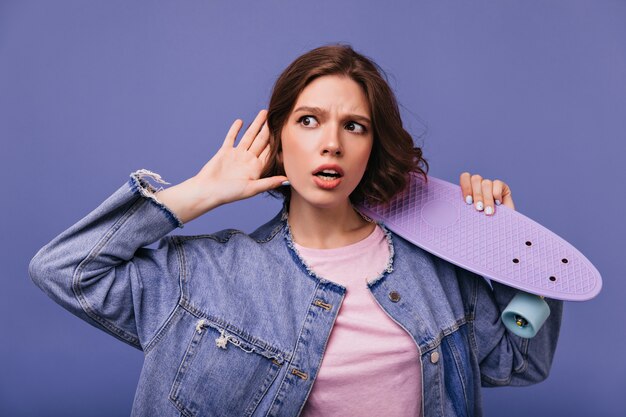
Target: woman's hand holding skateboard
{"points": [[485, 194]]}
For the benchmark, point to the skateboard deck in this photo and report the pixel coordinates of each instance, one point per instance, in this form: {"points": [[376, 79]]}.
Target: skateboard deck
{"points": [[507, 246]]}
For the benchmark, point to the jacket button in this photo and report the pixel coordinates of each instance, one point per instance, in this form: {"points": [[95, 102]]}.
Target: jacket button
{"points": [[434, 357], [394, 296]]}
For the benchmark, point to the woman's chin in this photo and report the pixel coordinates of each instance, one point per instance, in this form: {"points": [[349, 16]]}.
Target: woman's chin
{"points": [[324, 199]]}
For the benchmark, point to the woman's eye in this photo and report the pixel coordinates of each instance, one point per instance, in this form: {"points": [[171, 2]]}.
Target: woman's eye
{"points": [[355, 127], [308, 121]]}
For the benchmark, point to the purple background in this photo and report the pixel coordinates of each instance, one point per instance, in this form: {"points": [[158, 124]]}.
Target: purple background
{"points": [[531, 92]]}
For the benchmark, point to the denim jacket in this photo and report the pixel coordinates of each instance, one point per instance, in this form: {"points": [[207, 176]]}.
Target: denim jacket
{"points": [[233, 324]]}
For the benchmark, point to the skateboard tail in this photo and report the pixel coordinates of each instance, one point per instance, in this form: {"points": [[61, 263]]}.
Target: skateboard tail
{"points": [[507, 247]]}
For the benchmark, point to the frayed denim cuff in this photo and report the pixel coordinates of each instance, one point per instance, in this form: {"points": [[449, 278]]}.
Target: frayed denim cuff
{"points": [[139, 183]]}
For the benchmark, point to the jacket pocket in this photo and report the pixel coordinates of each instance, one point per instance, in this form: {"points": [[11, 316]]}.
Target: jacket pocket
{"points": [[222, 374]]}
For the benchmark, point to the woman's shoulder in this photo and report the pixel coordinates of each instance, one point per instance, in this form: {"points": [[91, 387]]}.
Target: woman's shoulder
{"points": [[262, 234], [231, 251]]}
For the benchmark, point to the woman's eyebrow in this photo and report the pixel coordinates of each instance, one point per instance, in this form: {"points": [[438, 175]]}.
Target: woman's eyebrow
{"points": [[318, 110]]}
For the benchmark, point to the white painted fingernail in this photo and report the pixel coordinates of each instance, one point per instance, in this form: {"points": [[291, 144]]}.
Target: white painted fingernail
{"points": [[489, 211], [469, 199], [479, 206], [285, 183], [498, 202]]}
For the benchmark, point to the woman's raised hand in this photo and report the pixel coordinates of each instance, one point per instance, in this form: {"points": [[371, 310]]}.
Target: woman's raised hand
{"points": [[484, 193], [232, 174]]}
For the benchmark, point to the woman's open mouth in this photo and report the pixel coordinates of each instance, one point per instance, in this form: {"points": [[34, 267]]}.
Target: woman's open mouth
{"points": [[328, 177]]}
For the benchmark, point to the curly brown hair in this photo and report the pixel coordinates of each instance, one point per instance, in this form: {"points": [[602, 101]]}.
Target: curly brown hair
{"points": [[393, 154]]}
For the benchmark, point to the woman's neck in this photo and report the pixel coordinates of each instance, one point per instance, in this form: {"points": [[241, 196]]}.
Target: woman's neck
{"points": [[327, 228]]}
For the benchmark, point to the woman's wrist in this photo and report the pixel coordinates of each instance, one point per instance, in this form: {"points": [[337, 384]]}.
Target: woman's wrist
{"points": [[187, 200]]}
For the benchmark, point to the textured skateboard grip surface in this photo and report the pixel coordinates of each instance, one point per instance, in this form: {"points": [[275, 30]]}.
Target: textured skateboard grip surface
{"points": [[507, 247]]}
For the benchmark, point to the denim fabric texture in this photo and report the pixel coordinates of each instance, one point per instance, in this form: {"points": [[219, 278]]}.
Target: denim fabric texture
{"points": [[236, 324]]}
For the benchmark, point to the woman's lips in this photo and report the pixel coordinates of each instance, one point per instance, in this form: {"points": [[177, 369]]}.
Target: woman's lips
{"points": [[326, 183], [328, 176]]}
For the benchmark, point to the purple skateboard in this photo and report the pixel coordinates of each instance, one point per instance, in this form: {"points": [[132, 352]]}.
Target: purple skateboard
{"points": [[507, 247]]}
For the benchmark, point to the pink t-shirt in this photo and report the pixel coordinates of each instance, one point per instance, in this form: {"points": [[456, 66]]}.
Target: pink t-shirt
{"points": [[371, 366]]}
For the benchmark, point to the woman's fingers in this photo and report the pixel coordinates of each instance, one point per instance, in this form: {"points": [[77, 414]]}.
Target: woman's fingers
{"points": [[502, 193], [254, 140], [485, 194], [498, 187], [252, 131], [264, 154], [265, 184], [260, 141], [229, 141], [477, 191]]}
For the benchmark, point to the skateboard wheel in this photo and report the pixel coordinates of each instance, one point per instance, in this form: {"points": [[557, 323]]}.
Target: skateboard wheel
{"points": [[525, 314]]}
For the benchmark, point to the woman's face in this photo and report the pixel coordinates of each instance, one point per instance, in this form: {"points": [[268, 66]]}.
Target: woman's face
{"points": [[326, 141]]}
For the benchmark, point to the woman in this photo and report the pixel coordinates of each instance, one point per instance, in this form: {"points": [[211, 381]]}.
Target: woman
{"points": [[237, 324]]}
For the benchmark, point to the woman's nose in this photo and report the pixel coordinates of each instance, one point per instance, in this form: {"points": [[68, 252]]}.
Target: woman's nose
{"points": [[331, 143]]}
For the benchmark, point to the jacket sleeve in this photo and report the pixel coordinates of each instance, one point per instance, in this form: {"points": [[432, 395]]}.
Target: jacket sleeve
{"points": [[99, 270], [504, 358]]}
